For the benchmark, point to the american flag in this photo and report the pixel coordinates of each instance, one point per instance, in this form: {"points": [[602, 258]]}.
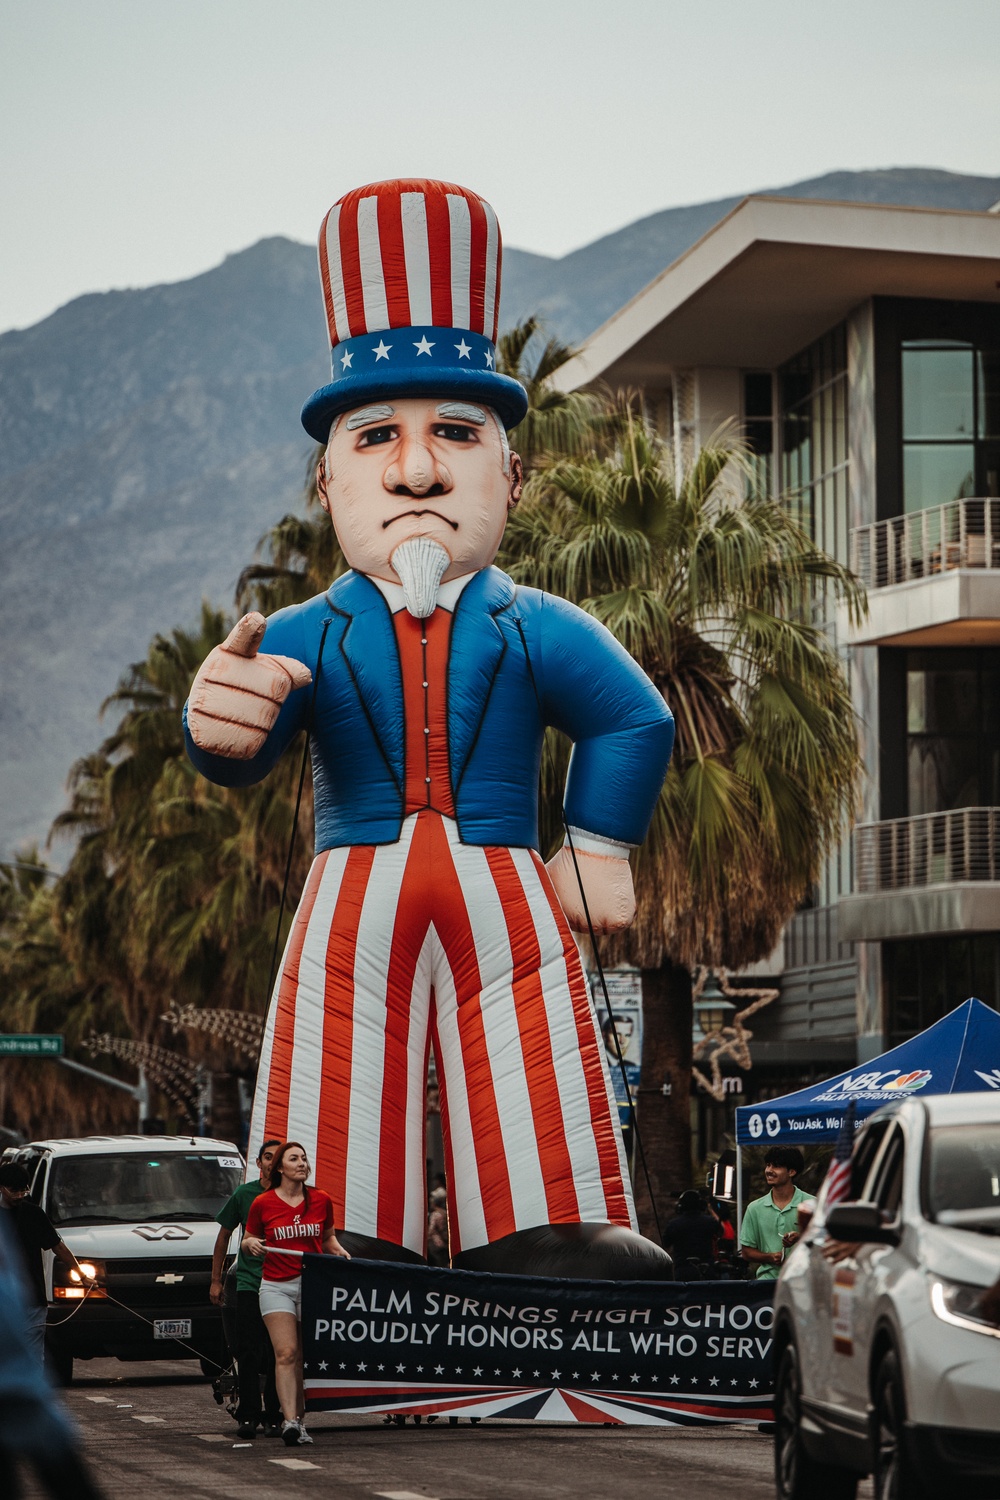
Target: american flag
{"points": [[838, 1176]]}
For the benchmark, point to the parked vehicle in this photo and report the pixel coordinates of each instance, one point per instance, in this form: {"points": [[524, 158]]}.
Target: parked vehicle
{"points": [[887, 1359], [140, 1212]]}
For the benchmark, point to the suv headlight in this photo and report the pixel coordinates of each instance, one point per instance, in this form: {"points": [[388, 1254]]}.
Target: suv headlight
{"points": [[69, 1286], [962, 1306]]}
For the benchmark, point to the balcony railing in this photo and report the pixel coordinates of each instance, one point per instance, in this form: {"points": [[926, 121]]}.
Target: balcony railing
{"points": [[933, 849], [960, 534]]}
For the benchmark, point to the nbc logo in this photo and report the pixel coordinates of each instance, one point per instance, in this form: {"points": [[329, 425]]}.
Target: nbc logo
{"points": [[908, 1083], [991, 1080]]}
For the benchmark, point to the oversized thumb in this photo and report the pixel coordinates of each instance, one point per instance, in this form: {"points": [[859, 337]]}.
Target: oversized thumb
{"points": [[246, 635]]}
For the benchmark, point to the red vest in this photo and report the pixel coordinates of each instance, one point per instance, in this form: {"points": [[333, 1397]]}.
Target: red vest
{"points": [[423, 656]]}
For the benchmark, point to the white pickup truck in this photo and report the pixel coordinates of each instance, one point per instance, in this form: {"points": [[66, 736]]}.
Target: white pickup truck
{"points": [[140, 1211]]}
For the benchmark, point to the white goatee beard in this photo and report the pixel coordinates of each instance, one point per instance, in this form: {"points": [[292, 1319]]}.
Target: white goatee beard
{"points": [[419, 564]]}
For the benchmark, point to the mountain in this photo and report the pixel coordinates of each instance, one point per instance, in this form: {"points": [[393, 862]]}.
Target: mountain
{"points": [[150, 437]]}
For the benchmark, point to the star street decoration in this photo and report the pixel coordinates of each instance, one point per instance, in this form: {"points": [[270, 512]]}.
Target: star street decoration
{"points": [[733, 1041]]}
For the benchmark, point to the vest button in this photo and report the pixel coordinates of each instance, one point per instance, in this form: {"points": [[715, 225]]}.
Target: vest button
{"points": [[427, 779], [426, 731], [425, 684]]}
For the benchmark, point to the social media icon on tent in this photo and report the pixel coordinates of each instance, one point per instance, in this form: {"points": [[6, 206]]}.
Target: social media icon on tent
{"points": [[773, 1124], [756, 1126]]}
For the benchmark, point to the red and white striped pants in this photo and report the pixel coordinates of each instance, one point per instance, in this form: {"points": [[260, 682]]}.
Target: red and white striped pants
{"points": [[398, 946]]}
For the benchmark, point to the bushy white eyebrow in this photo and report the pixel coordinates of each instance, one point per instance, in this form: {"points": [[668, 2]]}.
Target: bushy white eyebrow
{"points": [[369, 414], [463, 412]]}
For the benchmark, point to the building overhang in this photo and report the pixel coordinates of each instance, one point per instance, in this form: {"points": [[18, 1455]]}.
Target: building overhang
{"points": [[956, 608], [775, 274], [930, 911]]}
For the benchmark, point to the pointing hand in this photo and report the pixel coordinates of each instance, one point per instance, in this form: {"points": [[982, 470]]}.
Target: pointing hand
{"points": [[236, 695]]}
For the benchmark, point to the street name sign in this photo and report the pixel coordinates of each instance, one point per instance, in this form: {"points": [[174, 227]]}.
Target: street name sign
{"points": [[22, 1045]]}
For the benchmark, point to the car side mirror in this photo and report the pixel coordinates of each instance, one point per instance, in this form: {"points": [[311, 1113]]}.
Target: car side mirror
{"points": [[860, 1224]]}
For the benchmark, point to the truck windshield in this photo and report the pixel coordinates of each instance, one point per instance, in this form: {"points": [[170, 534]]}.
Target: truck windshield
{"points": [[133, 1187], [963, 1176]]}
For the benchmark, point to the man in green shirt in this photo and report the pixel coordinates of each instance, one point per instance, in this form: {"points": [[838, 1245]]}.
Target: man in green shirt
{"points": [[254, 1354], [770, 1224]]}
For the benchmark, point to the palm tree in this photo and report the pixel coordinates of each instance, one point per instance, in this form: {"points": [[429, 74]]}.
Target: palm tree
{"points": [[303, 556], [171, 894], [712, 591], [559, 423], [41, 992]]}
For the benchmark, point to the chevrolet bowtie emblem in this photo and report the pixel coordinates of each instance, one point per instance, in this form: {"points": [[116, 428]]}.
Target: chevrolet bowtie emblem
{"points": [[170, 1279]]}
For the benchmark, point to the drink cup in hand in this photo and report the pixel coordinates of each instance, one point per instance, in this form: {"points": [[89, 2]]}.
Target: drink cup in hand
{"points": [[238, 692]]}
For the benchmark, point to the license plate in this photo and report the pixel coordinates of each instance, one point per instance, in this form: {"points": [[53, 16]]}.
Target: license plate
{"points": [[172, 1328]]}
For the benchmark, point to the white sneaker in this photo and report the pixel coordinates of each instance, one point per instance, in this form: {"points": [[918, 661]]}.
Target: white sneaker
{"points": [[303, 1435], [291, 1434]]}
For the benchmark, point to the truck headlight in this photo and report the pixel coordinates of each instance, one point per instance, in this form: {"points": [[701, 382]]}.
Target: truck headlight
{"points": [[90, 1271], [962, 1306], [68, 1285]]}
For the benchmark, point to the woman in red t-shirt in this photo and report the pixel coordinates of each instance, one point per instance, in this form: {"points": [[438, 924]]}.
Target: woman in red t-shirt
{"points": [[302, 1217]]}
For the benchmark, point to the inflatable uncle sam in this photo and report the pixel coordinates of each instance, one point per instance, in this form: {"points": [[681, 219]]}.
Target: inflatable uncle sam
{"points": [[428, 918]]}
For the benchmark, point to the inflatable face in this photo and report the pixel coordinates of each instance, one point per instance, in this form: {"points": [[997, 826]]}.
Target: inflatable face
{"points": [[419, 467]]}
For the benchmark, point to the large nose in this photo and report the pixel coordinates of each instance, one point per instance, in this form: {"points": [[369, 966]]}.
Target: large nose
{"points": [[414, 469]]}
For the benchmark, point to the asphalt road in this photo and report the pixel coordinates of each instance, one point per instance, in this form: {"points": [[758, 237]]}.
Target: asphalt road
{"points": [[154, 1432]]}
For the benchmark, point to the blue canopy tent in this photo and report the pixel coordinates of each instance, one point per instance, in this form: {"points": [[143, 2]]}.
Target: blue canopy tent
{"points": [[960, 1054]]}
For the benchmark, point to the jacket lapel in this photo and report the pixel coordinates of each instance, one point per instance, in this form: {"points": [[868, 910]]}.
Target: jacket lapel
{"points": [[368, 646], [478, 646]]}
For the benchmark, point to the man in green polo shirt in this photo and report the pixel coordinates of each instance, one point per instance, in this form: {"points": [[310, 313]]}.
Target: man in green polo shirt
{"points": [[254, 1354], [770, 1224]]}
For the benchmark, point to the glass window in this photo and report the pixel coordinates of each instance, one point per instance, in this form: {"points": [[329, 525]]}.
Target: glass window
{"points": [[937, 392], [962, 1168], [925, 978], [988, 366], [757, 394], [887, 1189], [934, 473], [942, 773], [121, 1189], [865, 1151], [952, 730], [945, 700]]}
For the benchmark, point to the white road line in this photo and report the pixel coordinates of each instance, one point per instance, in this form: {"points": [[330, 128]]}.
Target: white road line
{"points": [[297, 1463], [403, 1495], [137, 1418]]}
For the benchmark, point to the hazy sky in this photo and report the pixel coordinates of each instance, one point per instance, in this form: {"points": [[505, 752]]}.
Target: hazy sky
{"points": [[142, 142]]}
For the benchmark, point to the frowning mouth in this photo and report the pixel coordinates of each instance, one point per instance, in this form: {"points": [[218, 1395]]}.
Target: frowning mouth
{"points": [[418, 514]]}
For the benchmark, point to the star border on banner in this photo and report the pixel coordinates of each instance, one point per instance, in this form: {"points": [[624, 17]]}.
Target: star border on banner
{"points": [[381, 350], [347, 359], [424, 346], [489, 359], [464, 349]]}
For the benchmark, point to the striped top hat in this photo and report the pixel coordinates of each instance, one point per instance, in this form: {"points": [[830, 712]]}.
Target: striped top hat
{"points": [[411, 283]]}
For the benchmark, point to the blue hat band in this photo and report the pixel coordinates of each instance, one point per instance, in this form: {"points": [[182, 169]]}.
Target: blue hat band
{"points": [[406, 349], [413, 362]]}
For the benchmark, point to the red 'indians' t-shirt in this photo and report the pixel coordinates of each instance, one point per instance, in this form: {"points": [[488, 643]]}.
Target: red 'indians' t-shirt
{"points": [[303, 1224]]}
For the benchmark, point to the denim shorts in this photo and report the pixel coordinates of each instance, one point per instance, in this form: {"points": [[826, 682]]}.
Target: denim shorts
{"points": [[281, 1296]]}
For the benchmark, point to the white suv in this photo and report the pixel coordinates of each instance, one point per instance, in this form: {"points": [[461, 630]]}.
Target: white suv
{"points": [[887, 1360], [140, 1210]]}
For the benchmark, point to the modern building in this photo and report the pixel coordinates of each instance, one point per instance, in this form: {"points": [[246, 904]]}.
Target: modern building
{"points": [[858, 347]]}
